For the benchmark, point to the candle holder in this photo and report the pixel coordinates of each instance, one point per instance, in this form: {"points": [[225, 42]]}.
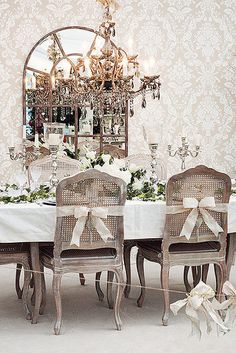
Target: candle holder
{"points": [[153, 149], [53, 178], [24, 155], [183, 152]]}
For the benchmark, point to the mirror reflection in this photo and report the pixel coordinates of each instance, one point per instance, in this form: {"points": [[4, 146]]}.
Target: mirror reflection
{"points": [[49, 93]]}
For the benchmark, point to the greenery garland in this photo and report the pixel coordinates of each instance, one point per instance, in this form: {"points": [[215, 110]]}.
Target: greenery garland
{"points": [[28, 196]]}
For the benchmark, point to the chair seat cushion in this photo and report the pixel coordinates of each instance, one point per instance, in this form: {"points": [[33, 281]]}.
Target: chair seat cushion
{"points": [[46, 254], [155, 247]]}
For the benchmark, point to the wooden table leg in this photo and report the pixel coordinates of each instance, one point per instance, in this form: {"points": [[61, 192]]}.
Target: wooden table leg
{"points": [[34, 252]]}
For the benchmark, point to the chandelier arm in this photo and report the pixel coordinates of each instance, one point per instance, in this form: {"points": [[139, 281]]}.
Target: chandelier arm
{"points": [[92, 46]]}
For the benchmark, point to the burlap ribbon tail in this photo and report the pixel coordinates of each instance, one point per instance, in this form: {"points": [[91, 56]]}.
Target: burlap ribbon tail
{"points": [[228, 305], [198, 302]]}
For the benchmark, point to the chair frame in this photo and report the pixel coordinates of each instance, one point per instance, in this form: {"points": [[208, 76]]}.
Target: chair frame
{"points": [[167, 259], [11, 254], [82, 265]]}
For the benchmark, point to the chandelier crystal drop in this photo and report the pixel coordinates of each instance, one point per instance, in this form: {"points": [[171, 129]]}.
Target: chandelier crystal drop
{"points": [[105, 79]]}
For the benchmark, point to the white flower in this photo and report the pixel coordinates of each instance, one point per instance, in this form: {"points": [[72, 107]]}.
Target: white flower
{"points": [[106, 157], [115, 171], [13, 193], [91, 155], [133, 167], [126, 176], [119, 162], [138, 184], [85, 163]]}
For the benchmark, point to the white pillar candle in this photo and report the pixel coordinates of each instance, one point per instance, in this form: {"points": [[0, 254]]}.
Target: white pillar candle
{"points": [[86, 128], [153, 137], [125, 66], [36, 140], [12, 142], [198, 138], [24, 132], [33, 82], [53, 139]]}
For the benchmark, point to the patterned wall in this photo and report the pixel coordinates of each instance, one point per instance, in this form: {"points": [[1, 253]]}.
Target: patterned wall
{"points": [[192, 46]]}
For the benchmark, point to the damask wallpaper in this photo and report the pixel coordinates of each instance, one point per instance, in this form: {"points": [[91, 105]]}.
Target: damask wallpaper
{"points": [[191, 45]]}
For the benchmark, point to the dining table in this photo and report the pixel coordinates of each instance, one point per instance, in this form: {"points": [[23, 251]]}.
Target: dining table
{"points": [[34, 223]]}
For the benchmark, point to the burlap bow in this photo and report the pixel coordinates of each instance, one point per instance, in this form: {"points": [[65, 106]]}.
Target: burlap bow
{"points": [[198, 214], [229, 305], [198, 302], [95, 215]]}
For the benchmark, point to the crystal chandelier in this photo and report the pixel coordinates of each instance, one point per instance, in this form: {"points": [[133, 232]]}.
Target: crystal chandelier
{"points": [[105, 79]]}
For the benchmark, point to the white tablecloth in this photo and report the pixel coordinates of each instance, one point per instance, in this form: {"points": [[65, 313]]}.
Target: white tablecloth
{"points": [[35, 223]]}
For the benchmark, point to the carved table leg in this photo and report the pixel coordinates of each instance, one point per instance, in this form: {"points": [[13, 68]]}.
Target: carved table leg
{"points": [[128, 244], [34, 252]]}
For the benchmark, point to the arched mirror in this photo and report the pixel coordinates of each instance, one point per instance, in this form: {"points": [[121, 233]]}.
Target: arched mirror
{"points": [[50, 95]]}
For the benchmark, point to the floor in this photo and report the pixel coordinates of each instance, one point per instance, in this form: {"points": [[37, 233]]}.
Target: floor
{"points": [[88, 325]]}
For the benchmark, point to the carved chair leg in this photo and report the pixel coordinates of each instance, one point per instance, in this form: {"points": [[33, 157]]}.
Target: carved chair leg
{"points": [[43, 302], [230, 252], [82, 279], [110, 277], [119, 294], [128, 245], [17, 281], [32, 281], [140, 269], [98, 287], [220, 273], [25, 291], [56, 287], [186, 282], [165, 287], [196, 273], [205, 269]]}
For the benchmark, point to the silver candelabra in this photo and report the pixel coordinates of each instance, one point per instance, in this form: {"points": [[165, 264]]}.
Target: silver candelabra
{"points": [[183, 152], [53, 178], [153, 149], [24, 155]]}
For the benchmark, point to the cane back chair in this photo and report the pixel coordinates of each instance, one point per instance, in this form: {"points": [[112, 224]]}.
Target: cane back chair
{"points": [[90, 189], [144, 161], [18, 253], [65, 166], [203, 247]]}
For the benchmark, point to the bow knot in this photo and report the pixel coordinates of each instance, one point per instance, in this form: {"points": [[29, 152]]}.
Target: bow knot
{"points": [[94, 215], [198, 214]]}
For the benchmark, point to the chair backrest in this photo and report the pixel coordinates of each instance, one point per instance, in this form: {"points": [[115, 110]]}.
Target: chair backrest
{"points": [[144, 161], [198, 182], [90, 189], [114, 151], [66, 166]]}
